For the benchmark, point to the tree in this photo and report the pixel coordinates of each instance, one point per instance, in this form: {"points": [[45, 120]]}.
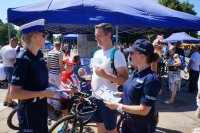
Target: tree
{"points": [[176, 5], [183, 7], [173, 4], [188, 8], [4, 33]]}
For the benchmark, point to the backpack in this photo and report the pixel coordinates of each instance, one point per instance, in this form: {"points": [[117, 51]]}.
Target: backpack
{"points": [[112, 60], [183, 62]]}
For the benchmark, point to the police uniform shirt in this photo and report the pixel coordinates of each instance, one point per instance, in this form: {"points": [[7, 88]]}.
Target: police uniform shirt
{"points": [[142, 88], [30, 71]]}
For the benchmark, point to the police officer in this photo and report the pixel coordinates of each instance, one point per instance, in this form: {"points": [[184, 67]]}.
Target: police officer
{"points": [[30, 80], [140, 91]]}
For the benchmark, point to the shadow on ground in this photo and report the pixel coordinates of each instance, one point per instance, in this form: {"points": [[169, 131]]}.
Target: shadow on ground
{"points": [[184, 101]]}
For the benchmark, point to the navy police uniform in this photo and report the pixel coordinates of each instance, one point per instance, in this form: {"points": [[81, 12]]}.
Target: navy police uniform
{"points": [[31, 73], [141, 88]]}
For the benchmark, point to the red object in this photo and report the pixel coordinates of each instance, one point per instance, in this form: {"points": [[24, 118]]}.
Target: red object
{"points": [[68, 60]]}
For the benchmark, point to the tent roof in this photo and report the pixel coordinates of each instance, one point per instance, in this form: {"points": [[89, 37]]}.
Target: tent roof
{"points": [[80, 16], [182, 37]]}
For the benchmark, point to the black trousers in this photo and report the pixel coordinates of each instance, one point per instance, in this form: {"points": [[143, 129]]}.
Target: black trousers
{"points": [[193, 80]]}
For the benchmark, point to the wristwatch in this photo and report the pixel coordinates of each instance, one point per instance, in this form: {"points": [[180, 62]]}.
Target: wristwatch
{"points": [[120, 108]]}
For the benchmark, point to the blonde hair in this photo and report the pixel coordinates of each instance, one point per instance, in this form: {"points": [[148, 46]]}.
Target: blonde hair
{"points": [[26, 38]]}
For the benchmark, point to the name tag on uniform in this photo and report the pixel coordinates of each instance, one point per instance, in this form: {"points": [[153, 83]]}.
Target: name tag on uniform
{"points": [[150, 98], [140, 81]]}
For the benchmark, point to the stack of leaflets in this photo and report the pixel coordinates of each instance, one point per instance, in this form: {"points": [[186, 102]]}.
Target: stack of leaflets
{"points": [[107, 95]]}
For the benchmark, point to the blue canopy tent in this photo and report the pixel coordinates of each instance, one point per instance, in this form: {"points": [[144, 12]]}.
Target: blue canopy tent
{"points": [[182, 37], [73, 37], [70, 37], [48, 45], [80, 16]]}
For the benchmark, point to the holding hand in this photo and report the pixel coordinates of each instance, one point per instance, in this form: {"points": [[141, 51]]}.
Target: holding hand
{"points": [[100, 72], [81, 72], [120, 94], [48, 93], [112, 105]]}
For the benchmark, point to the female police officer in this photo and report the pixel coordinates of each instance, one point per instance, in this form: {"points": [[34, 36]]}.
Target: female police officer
{"points": [[30, 80], [140, 91]]}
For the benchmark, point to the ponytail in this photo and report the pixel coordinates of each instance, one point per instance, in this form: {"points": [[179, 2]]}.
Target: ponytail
{"points": [[153, 58]]}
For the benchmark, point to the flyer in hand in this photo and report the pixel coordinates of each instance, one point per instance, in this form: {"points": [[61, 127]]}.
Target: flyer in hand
{"points": [[106, 94]]}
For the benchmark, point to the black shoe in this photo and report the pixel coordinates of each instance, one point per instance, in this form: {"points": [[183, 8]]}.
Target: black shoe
{"points": [[5, 103]]}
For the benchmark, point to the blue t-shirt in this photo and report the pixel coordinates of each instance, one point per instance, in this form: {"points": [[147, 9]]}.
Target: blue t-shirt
{"points": [[30, 71], [142, 88]]}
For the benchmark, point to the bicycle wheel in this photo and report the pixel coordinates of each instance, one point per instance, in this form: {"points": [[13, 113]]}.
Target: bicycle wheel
{"points": [[67, 125], [12, 120]]}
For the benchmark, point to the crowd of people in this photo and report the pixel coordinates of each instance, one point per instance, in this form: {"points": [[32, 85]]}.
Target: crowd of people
{"points": [[29, 77]]}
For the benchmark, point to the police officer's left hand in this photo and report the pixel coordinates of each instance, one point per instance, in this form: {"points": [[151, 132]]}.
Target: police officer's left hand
{"points": [[112, 105], [100, 72]]}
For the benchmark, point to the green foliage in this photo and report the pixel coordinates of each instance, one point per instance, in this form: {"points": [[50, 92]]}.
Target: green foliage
{"points": [[176, 5], [4, 33], [188, 8], [183, 7]]}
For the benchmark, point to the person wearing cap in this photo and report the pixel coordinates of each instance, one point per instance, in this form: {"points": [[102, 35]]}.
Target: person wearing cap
{"points": [[68, 77], [103, 74], [30, 80], [8, 55], [174, 76], [140, 91]]}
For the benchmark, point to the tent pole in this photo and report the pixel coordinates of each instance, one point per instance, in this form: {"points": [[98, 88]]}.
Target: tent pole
{"points": [[116, 35], [8, 32]]}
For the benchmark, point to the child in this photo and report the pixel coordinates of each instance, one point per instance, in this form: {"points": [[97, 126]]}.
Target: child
{"points": [[68, 77]]}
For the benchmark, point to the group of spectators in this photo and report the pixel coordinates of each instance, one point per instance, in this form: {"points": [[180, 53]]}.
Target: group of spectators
{"points": [[30, 76]]}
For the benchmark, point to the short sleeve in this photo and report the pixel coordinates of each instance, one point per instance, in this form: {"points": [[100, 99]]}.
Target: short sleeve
{"points": [[193, 57], [151, 90], [20, 73], [119, 59]]}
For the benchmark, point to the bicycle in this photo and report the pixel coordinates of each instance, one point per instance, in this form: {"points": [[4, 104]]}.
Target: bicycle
{"points": [[80, 115], [12, 120]]}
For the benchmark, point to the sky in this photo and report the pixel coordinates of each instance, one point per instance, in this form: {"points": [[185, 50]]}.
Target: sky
{"points": [[4, 5]]}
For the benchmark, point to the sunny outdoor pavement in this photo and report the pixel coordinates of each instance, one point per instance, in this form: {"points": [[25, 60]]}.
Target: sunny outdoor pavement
{"points": [[176, 118]]}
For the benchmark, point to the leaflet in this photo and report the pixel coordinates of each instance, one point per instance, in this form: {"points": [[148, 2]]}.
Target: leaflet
{"points": [[106, 94], [96, 62]]}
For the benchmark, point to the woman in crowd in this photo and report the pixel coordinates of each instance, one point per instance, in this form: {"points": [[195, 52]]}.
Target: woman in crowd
{"points": [[158, 65], [30, 80], [173, 65], [140, 91]]}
